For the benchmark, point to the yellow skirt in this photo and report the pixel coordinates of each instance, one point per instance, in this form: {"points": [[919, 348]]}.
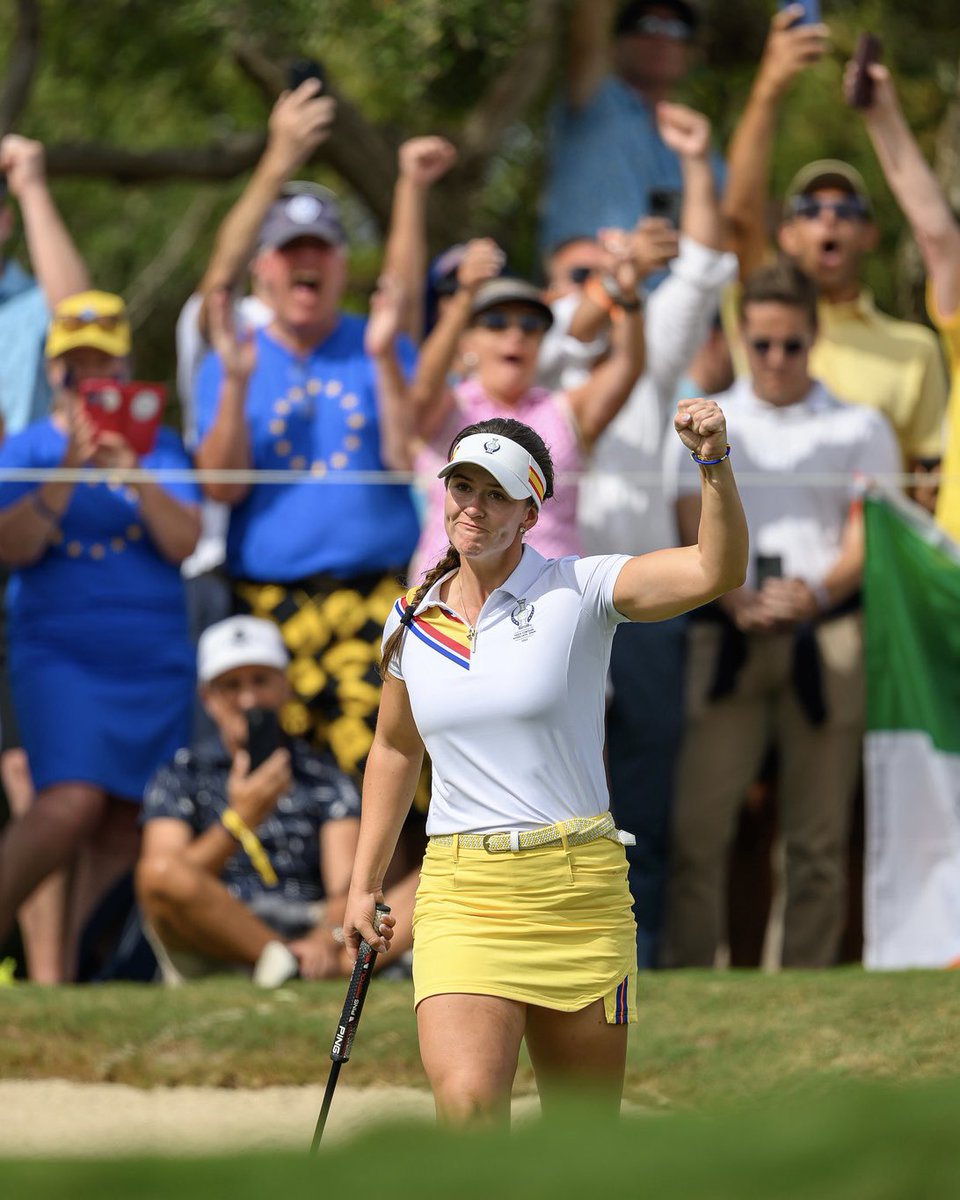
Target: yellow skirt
{"points": [[546, 926]]}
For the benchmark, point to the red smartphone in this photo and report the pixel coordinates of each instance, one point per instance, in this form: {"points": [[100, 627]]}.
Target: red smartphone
{"points": [[133, 410], [869, 50]]}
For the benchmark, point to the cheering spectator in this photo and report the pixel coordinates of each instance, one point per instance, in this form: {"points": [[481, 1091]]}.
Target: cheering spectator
{"points": [[862, 355], [101, 662], [938, 236], [779, 661], [299, 123], [301, 394], [246, 867], [607, 155], [505, 321]]}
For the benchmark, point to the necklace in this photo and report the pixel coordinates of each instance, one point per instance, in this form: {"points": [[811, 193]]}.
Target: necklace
{"points": [[471, 629]]}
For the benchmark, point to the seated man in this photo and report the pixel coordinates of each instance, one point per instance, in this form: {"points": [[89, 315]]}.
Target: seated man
{"points": [[249, 868]]}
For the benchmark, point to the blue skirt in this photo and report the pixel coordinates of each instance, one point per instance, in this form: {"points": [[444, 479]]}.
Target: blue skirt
{"points": [[105, 701]]}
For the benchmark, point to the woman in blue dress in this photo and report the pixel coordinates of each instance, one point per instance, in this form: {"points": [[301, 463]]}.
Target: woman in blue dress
{"points": [[101, 663]]}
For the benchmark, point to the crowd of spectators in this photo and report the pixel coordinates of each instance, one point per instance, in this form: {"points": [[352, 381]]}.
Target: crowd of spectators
{"points": [[150, 621]]}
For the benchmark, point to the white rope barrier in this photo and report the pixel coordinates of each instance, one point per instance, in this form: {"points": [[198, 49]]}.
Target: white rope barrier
{"points": [[113, 476]]}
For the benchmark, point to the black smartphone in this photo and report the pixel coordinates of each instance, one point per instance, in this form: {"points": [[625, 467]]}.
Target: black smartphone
{"points": [[666, 203], [264, 735], [869, 50], [769, 566], [302, 69]]}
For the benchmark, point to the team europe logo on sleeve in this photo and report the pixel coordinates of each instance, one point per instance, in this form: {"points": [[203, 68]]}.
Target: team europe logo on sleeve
{"points": [[522, 617]]}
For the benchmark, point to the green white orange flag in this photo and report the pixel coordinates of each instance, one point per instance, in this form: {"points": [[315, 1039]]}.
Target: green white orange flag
{"points": [[912, 611]]}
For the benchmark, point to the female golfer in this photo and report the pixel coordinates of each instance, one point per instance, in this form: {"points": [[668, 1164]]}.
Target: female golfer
{"points": [[497, 664]]}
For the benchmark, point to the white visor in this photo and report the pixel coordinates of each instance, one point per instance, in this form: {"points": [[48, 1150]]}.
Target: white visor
{"points": [[514, 468]]}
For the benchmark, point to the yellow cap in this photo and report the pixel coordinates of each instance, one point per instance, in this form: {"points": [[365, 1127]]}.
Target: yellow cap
{"points": [[89, 319]]}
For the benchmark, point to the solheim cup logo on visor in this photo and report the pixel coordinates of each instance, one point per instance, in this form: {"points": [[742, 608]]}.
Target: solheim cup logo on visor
{"points": [[492, 445]]}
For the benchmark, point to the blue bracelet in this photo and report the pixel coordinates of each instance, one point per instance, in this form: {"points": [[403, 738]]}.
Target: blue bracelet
{"points": [[710, 462]]}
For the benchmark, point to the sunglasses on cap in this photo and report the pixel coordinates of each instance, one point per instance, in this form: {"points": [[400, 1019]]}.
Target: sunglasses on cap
{"points": [[527, 322], [809, 207], [665, 27], [72, 323], [790, 346]]}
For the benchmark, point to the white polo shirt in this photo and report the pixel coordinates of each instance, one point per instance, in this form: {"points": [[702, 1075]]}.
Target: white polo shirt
{"points": [[801, 522], [513, 721]]}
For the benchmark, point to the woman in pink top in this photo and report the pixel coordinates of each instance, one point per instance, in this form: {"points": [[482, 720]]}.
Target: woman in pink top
{"points": [[499, 324]]}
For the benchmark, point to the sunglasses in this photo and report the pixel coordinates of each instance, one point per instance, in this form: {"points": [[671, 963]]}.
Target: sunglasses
{"points": [[525, 322], [108, 323], [665, 27], [790, 346], [844, 210], [579, 275]]}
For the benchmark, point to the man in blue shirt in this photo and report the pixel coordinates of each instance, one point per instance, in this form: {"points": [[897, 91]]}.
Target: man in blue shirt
{"points": [[606, 154], [321, 558]]}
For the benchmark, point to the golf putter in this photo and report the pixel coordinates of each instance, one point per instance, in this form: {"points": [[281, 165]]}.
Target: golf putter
{"points": [[349, 1020]]}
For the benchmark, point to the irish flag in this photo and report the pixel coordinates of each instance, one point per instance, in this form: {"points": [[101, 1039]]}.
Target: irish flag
{"points": [[912, 606]]}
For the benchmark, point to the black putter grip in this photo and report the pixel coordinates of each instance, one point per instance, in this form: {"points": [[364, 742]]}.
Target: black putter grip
{"points": [[356, 994]]}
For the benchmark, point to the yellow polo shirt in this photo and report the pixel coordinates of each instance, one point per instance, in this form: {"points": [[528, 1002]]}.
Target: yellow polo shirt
{"points": [[948, 500], [866, 357]]}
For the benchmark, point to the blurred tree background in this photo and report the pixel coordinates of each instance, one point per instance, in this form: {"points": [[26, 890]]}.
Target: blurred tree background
{"points": [[154, 113]]}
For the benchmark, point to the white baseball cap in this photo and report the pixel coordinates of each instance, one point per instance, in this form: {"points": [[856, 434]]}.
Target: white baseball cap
{"points": [[239, 642], [515, 469]]}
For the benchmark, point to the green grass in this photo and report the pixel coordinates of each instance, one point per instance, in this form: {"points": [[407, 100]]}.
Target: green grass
{"points": [[704, 1040], [859, 1143]]}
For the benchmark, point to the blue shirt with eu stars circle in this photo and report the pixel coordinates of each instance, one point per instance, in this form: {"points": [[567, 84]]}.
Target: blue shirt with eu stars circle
{"points": [[314, 413]]}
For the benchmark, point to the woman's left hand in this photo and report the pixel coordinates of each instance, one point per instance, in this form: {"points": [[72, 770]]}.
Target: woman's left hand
{"points": [[358, 920], [702, 427]]}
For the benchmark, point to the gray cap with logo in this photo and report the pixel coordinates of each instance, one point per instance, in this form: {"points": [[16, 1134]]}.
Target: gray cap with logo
{"points": [[305, 210]]}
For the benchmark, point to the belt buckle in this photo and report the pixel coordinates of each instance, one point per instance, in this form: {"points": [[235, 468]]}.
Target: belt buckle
{"points": [[512, 846]]}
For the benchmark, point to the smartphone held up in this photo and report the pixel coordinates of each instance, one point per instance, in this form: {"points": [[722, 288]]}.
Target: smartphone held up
{"points": [[264, 735], [859, 90], [133, 410], [302, 69], [665, 203], [811, 11]]}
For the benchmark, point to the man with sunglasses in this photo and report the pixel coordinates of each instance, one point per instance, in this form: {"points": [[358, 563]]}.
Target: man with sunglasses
{"points": [[619, 68], [863, 355], [778, 663]]}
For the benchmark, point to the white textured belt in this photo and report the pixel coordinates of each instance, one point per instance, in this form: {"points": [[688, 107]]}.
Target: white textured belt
{"points": [[577, 832]]}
